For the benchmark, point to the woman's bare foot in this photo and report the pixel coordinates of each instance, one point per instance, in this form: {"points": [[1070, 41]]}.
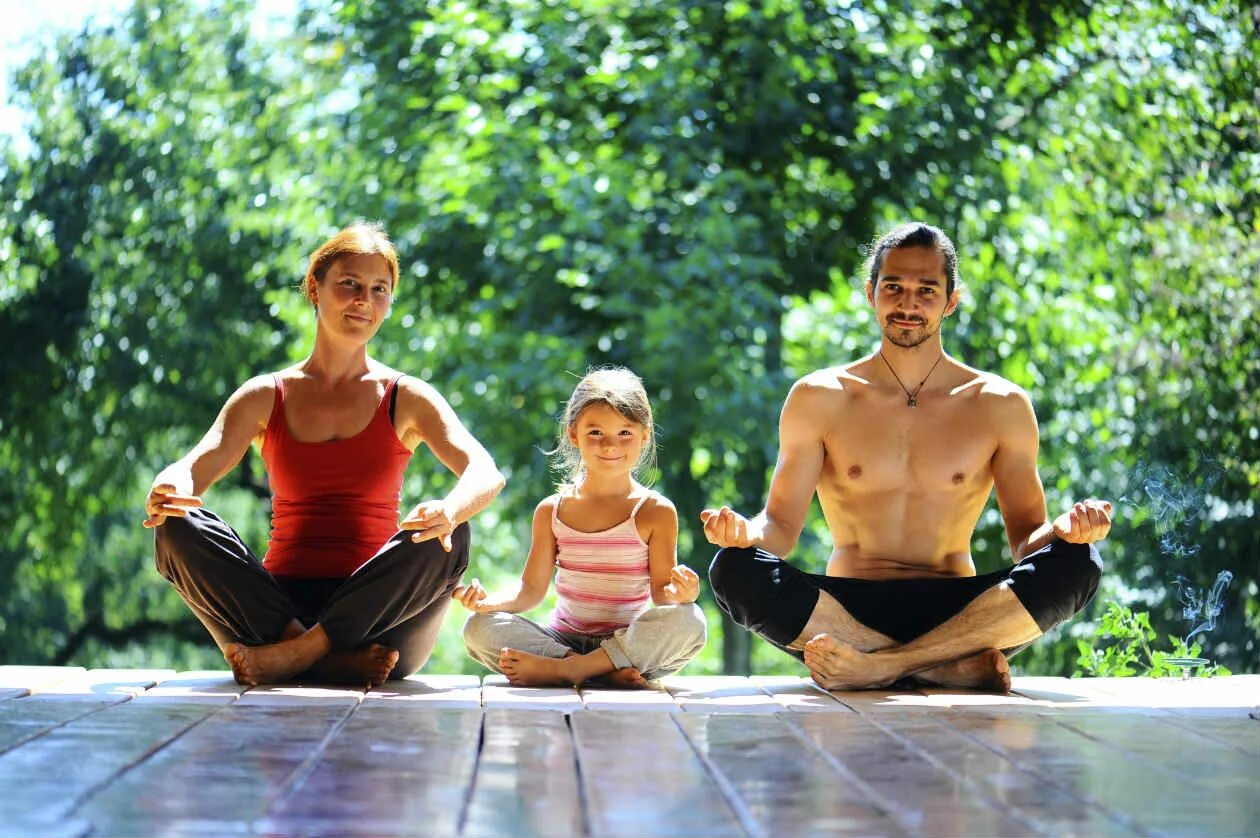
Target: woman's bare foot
{"points": [[276, 663], [370, 665], [838, 666], [985, 670]]}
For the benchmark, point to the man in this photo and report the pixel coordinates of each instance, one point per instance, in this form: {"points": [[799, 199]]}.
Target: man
{"points": [[903, 447]]}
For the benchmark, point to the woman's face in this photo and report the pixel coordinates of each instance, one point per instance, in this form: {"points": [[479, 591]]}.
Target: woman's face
{"points": [[354, 296]]}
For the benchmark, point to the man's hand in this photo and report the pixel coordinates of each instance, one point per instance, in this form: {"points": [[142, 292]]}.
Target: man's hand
{"points": [[684, 585], [726, 528], [430, 519], [163, 501], [1086, 522], [470, 596]]}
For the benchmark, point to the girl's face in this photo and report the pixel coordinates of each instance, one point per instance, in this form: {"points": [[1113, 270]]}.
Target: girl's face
{"points": [[606, 440]]}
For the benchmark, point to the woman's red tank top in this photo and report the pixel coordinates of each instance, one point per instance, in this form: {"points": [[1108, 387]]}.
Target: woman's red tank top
{"points": [[333, 504]]}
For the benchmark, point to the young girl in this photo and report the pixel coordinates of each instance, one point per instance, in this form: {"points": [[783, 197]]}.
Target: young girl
{"points": [[611, 543]]}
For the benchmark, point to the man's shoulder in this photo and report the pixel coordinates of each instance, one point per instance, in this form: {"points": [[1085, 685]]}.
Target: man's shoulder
{"points": [[999, 397], [830, 381]]}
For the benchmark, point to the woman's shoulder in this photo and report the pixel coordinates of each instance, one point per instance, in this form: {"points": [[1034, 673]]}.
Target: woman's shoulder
{"points": [[256, 392]]}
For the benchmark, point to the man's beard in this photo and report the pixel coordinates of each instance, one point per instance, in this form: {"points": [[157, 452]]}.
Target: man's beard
{"points": [[907, 338]]}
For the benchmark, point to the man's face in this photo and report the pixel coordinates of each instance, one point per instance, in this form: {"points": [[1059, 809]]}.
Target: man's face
{"points": [[909, 295]]}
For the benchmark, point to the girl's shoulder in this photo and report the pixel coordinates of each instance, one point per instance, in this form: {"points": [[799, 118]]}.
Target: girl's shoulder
{"points": [[656, 508]]}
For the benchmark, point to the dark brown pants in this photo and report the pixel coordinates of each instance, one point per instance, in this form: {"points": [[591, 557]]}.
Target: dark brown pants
{"points": [[397, 598]]}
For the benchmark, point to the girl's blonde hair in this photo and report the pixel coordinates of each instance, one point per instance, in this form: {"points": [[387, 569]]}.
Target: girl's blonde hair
{"points": [[623, 391]]}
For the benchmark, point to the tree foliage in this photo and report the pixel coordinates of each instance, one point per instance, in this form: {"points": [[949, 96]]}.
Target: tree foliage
{"points": [[681, 187]]}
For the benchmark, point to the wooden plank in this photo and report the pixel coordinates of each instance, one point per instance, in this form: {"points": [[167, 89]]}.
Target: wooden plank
{"points": [[206, 686], [497, 693], [392, 769], [640, 776], [24, 719], [923, 796], [120, 684], [1105, 777], [1209, 771], [526, 781], [430, 690], [1049, 809], [716, 693], [221, 776], [776, 784], [1242, 735], [31, 678], [799, 695], [637, 701], [297, 695], [877, 702], [58, 770], [1235, 695]]}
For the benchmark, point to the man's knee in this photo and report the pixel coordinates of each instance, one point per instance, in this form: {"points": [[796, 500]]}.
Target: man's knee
{"points": [[733, 574], [1058, 581]]}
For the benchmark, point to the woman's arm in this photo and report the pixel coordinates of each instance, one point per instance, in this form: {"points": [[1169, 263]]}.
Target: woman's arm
{"points": [[243, 418], [535, 578], [422, 415]]}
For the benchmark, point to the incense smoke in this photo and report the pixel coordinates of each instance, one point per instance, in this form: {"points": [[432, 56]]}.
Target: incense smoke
{"points": [[1193, 603]]}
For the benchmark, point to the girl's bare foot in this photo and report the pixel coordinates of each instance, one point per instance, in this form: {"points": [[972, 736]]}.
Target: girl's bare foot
{"points": [[838, 666], [985, 670], [626, 678], [369, 665], [525, 670]]}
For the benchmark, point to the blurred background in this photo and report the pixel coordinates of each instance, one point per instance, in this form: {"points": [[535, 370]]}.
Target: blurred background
{"points": [[683, 187]]}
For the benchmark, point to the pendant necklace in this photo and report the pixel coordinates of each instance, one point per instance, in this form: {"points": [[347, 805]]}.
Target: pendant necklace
{"points": [[912, 399]]}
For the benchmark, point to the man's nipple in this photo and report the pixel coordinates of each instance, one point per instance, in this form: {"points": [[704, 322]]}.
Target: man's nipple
{"points": [[958, 477], [855, 472]]}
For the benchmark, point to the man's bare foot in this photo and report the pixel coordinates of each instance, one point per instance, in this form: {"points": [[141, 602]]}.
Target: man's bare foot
{"points": [[370, 665], [985, 670], [626, 678], [838, 666], [526, 670]]}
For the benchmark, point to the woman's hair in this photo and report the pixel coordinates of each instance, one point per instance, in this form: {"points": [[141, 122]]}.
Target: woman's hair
{"points": [[362, 238], [618, 388]]}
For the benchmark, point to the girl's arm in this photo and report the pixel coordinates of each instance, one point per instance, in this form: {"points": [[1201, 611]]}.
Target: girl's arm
{"points": [[672, 583], [422, 415], [535, 578], [243, 418]]}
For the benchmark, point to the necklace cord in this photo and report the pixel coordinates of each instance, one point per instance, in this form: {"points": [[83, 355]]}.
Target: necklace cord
{"points": [[912, 399]]}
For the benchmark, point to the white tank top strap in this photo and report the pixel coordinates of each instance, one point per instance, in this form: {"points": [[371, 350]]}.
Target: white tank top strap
{"points": [[555, 508], [639, 505]]}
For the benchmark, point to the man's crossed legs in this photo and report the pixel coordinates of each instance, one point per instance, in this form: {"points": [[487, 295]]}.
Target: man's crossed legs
{"points": [[860, 633]]}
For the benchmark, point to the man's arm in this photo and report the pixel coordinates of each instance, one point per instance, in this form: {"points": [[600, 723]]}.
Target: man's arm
{"points": [[424, 413], [179, 486], [1020, 495], [796, 473]]}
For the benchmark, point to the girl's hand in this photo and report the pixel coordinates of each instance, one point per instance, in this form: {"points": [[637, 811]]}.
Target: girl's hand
{"points": [[430, 519], [684, 585], [470, 595], [164, 501]]}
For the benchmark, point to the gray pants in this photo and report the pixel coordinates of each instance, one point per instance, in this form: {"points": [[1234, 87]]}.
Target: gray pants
{"points": [[659, 642], [397, 598]]}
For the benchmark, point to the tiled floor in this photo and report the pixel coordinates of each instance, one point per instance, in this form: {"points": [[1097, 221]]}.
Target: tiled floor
{"points": [[121, 753]]}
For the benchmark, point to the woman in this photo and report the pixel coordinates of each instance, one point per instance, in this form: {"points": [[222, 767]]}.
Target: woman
{"points": [[346, 592]]}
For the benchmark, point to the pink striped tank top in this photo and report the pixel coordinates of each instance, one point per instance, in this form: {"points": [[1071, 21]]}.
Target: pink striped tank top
{"points": [[602, 578]]}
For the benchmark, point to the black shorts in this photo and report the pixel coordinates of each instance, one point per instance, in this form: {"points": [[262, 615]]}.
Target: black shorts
{"points": [[770, 597]]}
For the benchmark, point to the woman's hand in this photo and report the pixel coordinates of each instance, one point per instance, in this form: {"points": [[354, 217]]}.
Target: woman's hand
{"points": [[684, 585], [164, 501], [430, 519]]}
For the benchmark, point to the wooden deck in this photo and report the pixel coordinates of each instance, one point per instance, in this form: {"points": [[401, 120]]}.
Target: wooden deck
{"points": [[124, 753]]}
